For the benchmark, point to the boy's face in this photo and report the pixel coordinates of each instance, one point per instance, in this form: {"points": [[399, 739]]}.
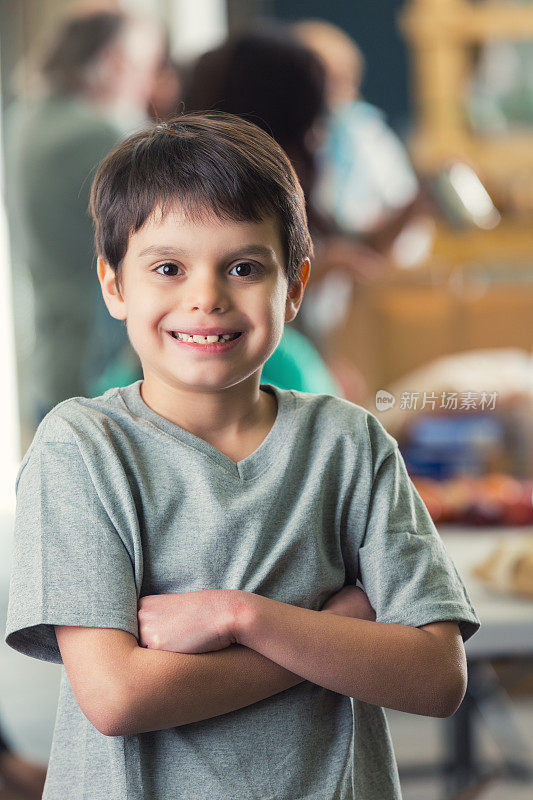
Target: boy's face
{"points": [[216, 274]]}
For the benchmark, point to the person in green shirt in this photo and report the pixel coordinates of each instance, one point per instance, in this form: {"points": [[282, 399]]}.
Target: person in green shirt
{"points": [[94, 81]]}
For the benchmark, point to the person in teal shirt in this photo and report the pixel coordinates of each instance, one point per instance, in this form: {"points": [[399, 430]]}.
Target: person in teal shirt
{"points": [[297, 364]]}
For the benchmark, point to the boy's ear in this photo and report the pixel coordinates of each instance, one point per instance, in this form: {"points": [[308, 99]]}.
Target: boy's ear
{"points": [[112, 297], [296, 291]]}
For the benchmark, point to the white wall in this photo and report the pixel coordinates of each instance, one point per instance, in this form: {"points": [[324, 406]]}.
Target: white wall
{"points": [[9, 422], [194, 25]]}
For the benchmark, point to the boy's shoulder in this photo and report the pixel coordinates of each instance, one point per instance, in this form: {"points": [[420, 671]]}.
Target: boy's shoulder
{"points": [[340, 417], [75, 414], [81, 422]]}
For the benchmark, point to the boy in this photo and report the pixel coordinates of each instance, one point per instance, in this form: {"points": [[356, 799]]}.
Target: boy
{"points": [[176, 538]]}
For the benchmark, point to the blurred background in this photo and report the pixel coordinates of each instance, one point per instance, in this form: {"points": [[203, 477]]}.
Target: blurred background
{"points": [[410, 126]]}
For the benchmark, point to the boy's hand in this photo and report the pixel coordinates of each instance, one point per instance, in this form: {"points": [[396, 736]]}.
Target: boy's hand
{"points": [[350, 601], [189, 622], [203, 621]]}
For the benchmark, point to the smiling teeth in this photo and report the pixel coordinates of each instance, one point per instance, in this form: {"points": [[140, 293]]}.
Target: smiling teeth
{"points": [[202, 339]]}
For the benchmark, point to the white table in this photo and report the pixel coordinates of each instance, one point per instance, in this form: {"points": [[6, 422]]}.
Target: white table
{"points": [[506, 632], [506, 621]]}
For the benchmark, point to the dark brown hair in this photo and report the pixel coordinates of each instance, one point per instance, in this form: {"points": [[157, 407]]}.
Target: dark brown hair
{"points": [[209, 163], [265, 75]]}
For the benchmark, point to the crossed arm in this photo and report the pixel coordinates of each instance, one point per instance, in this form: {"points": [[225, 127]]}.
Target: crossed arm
{"points": [[266, 647], [134, 690]]}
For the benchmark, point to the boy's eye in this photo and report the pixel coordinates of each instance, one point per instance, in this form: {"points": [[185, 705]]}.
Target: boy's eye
{"points": [[163, 267], [245, 265], [166, 269]]}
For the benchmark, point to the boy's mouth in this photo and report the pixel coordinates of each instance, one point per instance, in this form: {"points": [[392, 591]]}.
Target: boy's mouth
{"points": [[225, 337]]}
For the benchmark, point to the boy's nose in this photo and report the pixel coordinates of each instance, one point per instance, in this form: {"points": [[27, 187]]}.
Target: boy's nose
{"points": [[207, 294]]}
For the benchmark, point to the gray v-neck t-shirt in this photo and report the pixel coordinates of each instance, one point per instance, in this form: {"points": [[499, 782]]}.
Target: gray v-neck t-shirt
{"points": [[115, 502]]}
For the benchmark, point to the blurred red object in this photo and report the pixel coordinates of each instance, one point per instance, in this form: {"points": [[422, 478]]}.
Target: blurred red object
{"points": [[495, 499]]}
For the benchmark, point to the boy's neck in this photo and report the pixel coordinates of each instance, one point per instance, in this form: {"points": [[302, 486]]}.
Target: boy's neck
{"points": [[221, 417]]}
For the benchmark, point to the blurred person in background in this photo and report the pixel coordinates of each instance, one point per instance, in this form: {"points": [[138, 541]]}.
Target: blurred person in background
{"points": [[365, 176], [266, 76], [94, 82]]}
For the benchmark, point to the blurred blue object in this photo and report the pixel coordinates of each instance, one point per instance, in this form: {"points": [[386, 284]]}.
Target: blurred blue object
{"points": [[442, 446]]}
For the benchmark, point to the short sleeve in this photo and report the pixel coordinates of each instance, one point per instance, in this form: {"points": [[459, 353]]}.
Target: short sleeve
{"points": [[69, 566], [404, 566]]}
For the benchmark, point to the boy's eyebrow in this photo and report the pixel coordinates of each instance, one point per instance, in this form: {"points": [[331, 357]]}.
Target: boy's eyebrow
{"points": [[164, 251]]}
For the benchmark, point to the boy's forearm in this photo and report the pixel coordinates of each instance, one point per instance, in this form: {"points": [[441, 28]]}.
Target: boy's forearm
{"points": [[395, 666], [164, 689]]}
